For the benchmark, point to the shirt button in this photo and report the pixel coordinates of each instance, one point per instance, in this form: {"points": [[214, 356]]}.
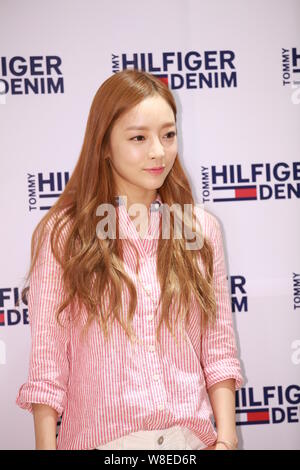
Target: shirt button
{"points": [[160, 440], [148, 288], [151, 347], [155, 377], [161, 407], [149, 317], [155, 206]]}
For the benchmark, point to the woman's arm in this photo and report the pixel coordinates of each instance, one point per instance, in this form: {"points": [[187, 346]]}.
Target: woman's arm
{"points": [[222, 398], [219, 356], [48, 376], [45, 421]]}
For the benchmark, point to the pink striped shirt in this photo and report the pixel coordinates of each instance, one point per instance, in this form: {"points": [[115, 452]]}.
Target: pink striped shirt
{"points": [[105, 391]]}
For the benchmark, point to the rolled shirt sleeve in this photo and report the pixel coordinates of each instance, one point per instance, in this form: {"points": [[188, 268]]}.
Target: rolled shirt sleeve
{"points": [[48, 364], [219, 358]]}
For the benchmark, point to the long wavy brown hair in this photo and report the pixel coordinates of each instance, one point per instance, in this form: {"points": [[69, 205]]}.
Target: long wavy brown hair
{"points": [[92, 268]]}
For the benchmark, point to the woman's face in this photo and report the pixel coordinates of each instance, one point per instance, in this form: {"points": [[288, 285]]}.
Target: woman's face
{"points": [[144, 137]]}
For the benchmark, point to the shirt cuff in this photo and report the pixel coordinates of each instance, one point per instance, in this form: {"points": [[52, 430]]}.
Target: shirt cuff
{"points": [[223, 370], [45, 393]]}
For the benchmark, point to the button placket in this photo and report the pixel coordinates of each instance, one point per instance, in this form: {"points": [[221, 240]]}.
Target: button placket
{"points": [[150, 341]]}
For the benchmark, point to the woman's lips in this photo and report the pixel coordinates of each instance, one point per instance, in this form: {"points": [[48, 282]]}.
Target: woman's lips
{"points": [[155, 171]]}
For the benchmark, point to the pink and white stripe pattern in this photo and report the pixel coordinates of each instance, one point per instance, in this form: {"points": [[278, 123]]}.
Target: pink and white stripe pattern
{"points": [[107, 389]]}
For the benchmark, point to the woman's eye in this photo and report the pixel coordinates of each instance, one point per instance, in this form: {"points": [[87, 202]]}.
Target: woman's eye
{"points": [[171, 134], [138, 138]]}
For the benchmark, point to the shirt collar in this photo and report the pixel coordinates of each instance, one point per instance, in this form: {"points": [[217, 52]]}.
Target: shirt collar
{"points": [[155, 204]]}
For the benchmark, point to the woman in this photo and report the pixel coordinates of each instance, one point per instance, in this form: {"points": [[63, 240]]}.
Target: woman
{"points": [[132, 335]]}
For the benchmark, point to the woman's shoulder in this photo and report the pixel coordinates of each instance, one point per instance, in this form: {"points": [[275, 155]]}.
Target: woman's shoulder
{"points": [[61, 215], [58, 219]]}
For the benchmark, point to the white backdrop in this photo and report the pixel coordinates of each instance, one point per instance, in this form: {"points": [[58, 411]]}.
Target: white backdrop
{"points": [[239, 142]]}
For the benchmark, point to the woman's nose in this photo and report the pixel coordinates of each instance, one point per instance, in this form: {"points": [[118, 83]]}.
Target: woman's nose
{"points": [[156, 149]]}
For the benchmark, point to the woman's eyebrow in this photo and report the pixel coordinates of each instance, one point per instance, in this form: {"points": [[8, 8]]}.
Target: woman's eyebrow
{"points": [[145, 128]]}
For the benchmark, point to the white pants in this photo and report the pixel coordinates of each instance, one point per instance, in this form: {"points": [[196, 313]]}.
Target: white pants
{"points": [[172, 438]]}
